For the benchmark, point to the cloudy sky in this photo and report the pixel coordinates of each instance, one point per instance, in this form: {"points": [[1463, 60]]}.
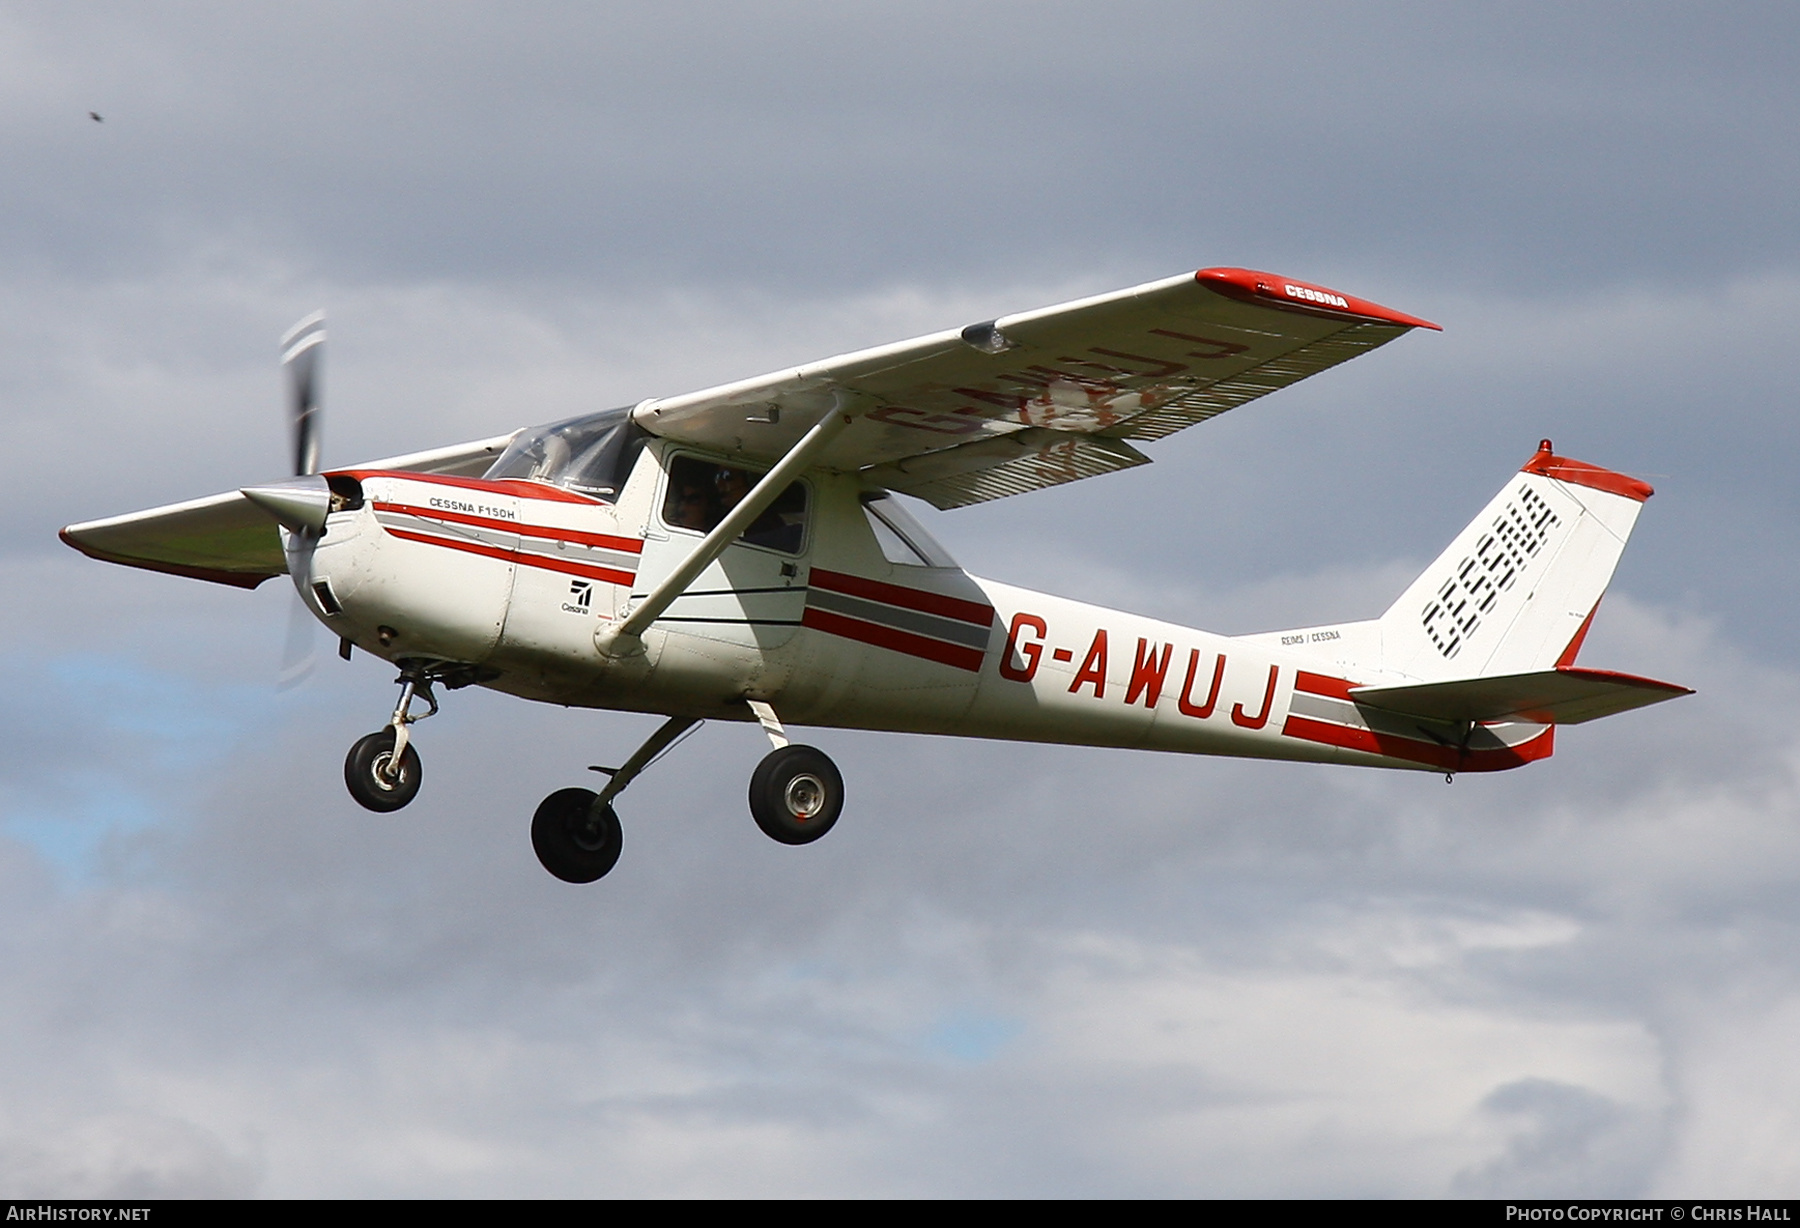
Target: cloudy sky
{"points": [[1010, 970]]}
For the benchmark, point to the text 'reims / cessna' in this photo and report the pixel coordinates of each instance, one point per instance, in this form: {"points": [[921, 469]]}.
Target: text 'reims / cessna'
{"points": [[737, 553]]}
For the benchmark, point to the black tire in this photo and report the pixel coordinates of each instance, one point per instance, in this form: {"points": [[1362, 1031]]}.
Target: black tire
{"points": [[573, 842], [363, 768], [796, 794]]}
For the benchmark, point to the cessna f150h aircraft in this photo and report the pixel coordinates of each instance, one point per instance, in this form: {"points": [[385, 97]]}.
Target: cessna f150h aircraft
{"points": [[737, 553]]}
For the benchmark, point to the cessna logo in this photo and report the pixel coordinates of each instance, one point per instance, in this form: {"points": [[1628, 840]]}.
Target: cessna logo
{"points": [[1316, 296], [581, 596]]}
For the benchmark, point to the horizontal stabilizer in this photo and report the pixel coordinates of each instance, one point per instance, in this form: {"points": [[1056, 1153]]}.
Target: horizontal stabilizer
{"points": [[1565, 696]]}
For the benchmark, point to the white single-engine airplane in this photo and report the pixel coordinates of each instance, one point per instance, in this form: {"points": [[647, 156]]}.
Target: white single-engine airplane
{"points": [[737, 553]]}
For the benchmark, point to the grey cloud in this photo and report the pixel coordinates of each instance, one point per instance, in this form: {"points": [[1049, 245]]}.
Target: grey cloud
{"points": [[1558, 1151], [824, 147], [127, 1156]]}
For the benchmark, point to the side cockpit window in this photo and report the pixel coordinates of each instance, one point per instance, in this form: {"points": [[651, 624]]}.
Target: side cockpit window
{"points": [[591, 455], [702, 493]]}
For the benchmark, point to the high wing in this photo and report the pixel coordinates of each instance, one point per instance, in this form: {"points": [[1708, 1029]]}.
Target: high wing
{"points": [[1043, 397], [958, 417], [229, 540]]}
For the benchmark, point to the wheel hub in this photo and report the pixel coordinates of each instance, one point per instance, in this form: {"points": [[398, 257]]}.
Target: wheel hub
{"points": [[587, 833], [805, 796]]}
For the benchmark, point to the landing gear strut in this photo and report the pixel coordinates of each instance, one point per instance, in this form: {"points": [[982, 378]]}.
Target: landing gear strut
{"points": [[382, 770]]}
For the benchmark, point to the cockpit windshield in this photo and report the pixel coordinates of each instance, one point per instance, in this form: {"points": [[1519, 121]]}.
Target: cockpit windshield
{"points": [[592, 455]]}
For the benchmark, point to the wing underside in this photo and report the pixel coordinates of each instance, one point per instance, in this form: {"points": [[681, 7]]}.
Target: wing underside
{"points": [[1042, 397]]}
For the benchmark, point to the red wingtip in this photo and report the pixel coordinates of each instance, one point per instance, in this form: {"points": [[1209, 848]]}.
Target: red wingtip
{"points": [[1282, 291], [1546, 463]]}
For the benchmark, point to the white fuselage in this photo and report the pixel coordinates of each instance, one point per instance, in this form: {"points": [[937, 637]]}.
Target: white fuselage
{"points": [[513, 579]]}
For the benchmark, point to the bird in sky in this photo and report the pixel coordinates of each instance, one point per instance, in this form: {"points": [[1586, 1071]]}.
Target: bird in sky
{"points": [[96, 117]]}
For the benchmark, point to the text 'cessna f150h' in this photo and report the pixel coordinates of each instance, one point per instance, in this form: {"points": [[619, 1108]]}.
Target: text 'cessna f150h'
{"points": [[738, 553]]}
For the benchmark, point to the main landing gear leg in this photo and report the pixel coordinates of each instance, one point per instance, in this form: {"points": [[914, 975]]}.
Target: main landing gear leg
{"points": [[796, 793], [382, 770], [576, 832]]}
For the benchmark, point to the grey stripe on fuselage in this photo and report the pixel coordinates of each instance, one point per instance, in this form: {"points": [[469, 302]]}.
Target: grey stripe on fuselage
{"points": [[502, 539], [600, 556], [511, 539], [917, 621]]}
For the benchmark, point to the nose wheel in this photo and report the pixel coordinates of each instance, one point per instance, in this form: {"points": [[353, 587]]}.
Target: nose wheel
{"points": [[378, 779], [382, 770]]}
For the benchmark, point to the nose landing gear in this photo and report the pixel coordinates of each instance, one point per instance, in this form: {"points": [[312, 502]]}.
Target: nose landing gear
{"points": [[382, 770]]}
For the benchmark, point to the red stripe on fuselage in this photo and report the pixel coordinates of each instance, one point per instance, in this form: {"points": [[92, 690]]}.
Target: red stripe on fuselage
{"points": [[907, 598], [1448, 758], [543, 562], [518, 488], [891, 638], [627, 545], [1322, 684]]}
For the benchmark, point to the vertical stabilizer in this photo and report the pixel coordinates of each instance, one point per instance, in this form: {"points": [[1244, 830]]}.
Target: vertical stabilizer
{"points": [[1514, 591]]}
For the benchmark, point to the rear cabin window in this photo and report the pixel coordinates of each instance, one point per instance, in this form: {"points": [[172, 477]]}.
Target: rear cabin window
{"points": [[702, 493], [903, 540]]}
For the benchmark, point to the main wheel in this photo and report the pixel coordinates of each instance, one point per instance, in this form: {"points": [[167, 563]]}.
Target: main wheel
{"points": [[574, 842], [796, 794], [373, 780]]}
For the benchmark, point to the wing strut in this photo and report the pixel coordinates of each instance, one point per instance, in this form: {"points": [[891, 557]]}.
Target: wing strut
{"points": [[622, 639]]}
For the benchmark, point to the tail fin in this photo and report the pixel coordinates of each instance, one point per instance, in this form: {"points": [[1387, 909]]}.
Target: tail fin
{"points": [[1486, 638], [1514, 592]]}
